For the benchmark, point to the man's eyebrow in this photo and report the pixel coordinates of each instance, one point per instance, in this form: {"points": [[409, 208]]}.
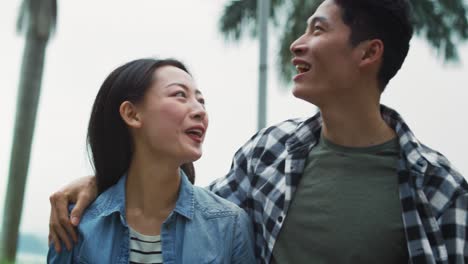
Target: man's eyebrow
{"points": [[312, 20], [185, 87]]}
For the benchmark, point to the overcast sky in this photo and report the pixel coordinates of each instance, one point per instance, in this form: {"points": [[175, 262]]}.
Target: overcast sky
{"points": [[94, 37]]}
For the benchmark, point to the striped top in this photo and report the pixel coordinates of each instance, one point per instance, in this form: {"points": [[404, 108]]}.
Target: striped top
{"points": [[145, 249]]}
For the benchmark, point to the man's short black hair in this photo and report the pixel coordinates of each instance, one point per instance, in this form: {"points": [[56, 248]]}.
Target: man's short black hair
{"points": [[387, 20]]}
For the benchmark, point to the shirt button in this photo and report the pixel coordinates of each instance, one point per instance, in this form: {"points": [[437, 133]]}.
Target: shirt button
{"points": [[280, 219]]}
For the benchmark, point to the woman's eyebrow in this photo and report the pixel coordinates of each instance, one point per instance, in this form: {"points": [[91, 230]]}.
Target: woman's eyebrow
{"points": [[184, 86], [177, 84]]}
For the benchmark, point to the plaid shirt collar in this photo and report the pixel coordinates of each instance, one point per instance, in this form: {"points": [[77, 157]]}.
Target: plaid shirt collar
{"points": [[417, 157]]}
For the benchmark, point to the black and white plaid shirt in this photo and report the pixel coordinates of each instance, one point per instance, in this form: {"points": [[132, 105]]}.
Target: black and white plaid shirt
{"points": [[266, 171]]}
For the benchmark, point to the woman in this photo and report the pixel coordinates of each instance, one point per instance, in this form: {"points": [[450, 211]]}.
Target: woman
{"points": [[147, 126]]}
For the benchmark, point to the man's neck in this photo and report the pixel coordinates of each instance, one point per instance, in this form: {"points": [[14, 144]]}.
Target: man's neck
{"points": [[356, 124]]}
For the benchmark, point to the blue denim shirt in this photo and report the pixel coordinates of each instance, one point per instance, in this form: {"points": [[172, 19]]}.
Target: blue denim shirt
{"points": [[202, 228]]}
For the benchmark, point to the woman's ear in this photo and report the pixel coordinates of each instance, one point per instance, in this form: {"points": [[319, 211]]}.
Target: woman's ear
{"points": [[130, 115]]}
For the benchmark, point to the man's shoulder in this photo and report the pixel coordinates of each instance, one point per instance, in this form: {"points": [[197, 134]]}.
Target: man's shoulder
{"points": [[288, 126], [280, 132], [443, 183], [442, 167]]}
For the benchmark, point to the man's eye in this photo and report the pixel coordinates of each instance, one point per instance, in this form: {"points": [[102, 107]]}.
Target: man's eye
{"points": [[318, 28]]}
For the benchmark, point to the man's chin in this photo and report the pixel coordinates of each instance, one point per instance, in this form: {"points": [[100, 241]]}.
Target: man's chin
{"points": [[300, 92], [296, 91]]}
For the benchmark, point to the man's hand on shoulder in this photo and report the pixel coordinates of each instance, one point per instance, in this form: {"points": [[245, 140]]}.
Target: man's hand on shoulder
{"points": [[82, 192]]}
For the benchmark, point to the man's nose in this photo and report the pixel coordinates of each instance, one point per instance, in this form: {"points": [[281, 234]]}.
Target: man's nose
{"points": [[298, 47]]}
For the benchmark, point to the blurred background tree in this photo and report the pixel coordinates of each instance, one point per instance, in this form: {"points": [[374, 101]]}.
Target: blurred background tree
{"points": [[36, 20], [442, 24]]}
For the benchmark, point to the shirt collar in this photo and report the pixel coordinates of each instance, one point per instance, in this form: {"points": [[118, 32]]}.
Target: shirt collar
{"points": [[113, 199], [306, 134], [186, 201], [416, 155]]}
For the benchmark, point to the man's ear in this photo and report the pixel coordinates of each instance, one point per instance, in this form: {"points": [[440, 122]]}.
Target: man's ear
{"points": [[130, 115], [372, 51]]}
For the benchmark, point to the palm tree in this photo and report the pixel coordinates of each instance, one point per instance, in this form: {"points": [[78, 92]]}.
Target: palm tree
{"points": [[442, 23], [37, 21]]}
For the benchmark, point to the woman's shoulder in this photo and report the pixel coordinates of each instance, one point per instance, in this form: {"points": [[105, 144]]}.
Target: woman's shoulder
{"points": [[212, 204], [105, 205]]}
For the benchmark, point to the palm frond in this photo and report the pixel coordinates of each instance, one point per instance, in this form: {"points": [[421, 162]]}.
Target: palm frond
{"points": [[442, 24], [240, 17]]}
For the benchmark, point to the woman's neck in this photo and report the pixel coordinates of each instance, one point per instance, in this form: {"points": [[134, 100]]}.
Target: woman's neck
{"points": [[151, 192]]}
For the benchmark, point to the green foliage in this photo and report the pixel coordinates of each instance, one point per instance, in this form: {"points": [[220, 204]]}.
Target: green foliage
{"points": [[443, 24], [240, 16]]}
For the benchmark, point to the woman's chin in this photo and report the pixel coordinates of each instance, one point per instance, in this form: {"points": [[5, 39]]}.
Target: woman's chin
{"points": [[193, 156]]}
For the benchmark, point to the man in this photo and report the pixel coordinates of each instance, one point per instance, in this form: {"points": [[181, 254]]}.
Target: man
{"points": [[351, 184]]}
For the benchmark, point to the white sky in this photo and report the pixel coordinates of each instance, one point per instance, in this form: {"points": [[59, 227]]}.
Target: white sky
{"points": [[94, 37]]}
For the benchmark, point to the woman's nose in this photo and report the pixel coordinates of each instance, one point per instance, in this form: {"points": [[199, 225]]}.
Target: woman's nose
{"points": [[199, 111]]}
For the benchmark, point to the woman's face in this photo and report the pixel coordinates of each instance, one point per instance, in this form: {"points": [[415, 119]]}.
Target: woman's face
{"points": [[173, 117]]}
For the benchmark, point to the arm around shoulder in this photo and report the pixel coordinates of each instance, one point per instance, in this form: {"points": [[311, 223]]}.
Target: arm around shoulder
{"points": [[243, 251], [237, 184]]}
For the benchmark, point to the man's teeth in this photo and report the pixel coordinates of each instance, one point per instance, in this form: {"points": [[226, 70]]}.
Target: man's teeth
{"points": [[302, 67]]}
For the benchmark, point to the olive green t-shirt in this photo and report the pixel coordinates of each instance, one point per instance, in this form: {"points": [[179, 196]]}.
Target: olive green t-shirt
{"points": [[346, 208]]}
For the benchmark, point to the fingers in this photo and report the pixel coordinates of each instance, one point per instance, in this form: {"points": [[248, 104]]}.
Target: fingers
{"points": [[60, 227], [84, 191], [56, 231], [82, 202], [60, 234], [53, 238], [85, 197], [61, 204]]}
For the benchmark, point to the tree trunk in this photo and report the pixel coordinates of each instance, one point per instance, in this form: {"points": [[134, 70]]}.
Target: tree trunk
{"points": [[263, 11], [26, 109]]}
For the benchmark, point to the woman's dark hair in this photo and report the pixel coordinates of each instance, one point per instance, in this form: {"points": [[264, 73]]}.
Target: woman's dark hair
{"points": [[108, 137], [387, 20]]}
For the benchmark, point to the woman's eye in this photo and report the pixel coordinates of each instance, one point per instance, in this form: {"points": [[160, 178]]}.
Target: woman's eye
{"points": [[180, 94]]}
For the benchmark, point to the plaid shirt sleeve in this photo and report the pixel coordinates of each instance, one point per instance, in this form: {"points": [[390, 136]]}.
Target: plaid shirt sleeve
{"points": [[237, 184], [447, 193], [454, 226]]}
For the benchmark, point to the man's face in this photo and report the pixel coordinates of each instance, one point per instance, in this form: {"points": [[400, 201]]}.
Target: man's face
{"points": [[327, 64]]}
